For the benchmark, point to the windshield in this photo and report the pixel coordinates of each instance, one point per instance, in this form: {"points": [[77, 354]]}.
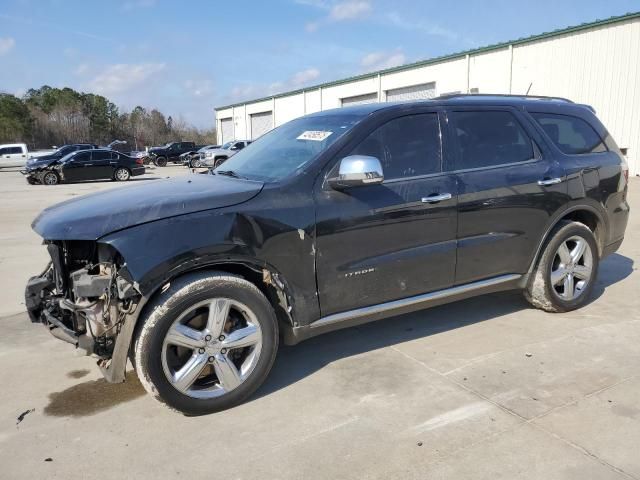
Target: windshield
{"points": [[67, 157], [288, 148], [227, 145]]}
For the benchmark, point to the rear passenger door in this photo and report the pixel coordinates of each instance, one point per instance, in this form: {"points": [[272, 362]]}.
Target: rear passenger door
{"points": [[508, 188], [101, 166]]}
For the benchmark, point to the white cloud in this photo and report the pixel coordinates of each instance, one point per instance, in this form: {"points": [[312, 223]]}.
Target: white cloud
{"points": [[382, 60], [312, 27], [350, 10], [123, 77], [297, 80], [198, 88], [81, 69], [397, 20], [6, 45], [135, 4], [305, 76], [337, 11], [312, 3]]}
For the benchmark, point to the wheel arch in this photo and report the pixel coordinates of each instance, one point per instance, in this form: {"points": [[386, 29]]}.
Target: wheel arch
{"points": [[266, 278], [586, 214]]}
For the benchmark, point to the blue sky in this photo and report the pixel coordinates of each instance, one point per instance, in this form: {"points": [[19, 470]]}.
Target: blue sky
{"points": [[185, 57]]}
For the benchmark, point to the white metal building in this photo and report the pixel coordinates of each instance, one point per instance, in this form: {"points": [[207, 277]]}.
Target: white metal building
{"points": [[596, 63]]}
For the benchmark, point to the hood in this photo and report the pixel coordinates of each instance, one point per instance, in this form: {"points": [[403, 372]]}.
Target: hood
{"points": [[93, 216], [43, 158], [219, 151], [40, 162]]}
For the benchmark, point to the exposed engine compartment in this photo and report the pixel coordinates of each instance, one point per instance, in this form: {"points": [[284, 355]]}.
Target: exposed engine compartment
{"points": [[83, 296]]}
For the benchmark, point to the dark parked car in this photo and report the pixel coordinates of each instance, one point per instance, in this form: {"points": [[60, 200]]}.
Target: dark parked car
{"points": [[170, 152], [82, 165], [331, 220], [61, 152]]}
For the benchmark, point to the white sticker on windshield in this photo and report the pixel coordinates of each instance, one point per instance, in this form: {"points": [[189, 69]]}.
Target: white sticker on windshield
{"points": [[315, 135]]}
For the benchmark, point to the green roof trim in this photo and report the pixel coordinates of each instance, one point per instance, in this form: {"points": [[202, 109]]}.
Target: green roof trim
{"points": [[444, 58]]}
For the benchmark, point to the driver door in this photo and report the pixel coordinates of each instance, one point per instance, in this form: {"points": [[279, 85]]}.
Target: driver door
{"points": [[384, 242]]}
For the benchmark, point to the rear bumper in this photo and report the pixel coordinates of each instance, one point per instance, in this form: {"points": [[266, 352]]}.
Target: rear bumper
{"points": [[138, 171]]}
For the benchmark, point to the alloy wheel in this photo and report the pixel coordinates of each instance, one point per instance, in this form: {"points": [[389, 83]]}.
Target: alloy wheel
{"points": [[122, 174], [50, 179], [572, 268], [211, 348]]}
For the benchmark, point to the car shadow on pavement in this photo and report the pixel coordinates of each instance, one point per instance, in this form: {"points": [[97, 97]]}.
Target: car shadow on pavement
{"points": [[297, 362], [94, 396]]}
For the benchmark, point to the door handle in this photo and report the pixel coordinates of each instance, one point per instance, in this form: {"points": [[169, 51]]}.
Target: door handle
{"points": [[549, 181], [436, 198]]}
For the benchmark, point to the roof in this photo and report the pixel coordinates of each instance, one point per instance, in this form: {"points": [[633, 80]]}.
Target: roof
{"points": [[453, 56], [453, 100]]}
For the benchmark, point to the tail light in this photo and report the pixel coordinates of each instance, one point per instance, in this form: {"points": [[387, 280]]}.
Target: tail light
{"points": [[140, 161]]}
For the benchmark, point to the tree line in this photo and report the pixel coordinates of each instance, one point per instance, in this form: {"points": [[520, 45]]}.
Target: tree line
{"points": [[49, 116]]}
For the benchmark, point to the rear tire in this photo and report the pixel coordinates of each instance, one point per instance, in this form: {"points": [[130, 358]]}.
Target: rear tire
{"points": [[198, 324], [566, 271], [121, 174]]}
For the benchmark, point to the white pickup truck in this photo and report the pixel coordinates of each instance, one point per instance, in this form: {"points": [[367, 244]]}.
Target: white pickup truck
{"points": [[17, 154]]}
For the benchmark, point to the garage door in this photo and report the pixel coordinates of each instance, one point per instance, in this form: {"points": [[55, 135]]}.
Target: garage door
{"points": [[414, 92], [261, 123], [226, 127], [360, 99]]}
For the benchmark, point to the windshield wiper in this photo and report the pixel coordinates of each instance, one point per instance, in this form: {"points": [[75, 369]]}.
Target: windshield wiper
{"points": [[229, 173]]}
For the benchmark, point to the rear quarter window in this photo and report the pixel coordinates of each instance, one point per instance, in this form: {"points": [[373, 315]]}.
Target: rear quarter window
{"points": [[572, 135]]}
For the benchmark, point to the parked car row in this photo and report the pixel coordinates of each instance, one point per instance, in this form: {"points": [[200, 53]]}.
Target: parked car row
{"points": [[83, 164]]}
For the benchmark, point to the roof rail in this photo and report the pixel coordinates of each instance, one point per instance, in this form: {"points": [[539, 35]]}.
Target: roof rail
{"points": [[533, 97]]}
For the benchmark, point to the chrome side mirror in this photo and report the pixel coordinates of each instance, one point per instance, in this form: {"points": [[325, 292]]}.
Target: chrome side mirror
{"points": [[357, 171]]}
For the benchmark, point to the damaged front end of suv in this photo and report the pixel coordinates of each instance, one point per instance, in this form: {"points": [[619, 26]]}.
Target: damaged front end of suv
{"points": [[85, 296]]}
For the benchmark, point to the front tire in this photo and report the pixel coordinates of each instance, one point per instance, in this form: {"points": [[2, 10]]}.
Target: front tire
{"points": [[161, 161], [206, 343], [50, 178], [566, 271]]}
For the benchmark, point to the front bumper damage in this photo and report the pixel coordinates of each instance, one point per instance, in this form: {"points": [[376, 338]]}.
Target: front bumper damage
{"points": [[86, 298]]}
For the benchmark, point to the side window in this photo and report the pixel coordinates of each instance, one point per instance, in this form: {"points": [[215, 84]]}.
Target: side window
{"points": [[490, 138], [240, 145], [81, 157], [4, 151], [100, 155], [115, 156], [406, 146], [572, 135], [15, 150]]}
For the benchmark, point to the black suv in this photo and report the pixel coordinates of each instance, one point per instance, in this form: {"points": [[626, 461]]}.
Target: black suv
{"points": [[331, 220], [170, 152]]}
